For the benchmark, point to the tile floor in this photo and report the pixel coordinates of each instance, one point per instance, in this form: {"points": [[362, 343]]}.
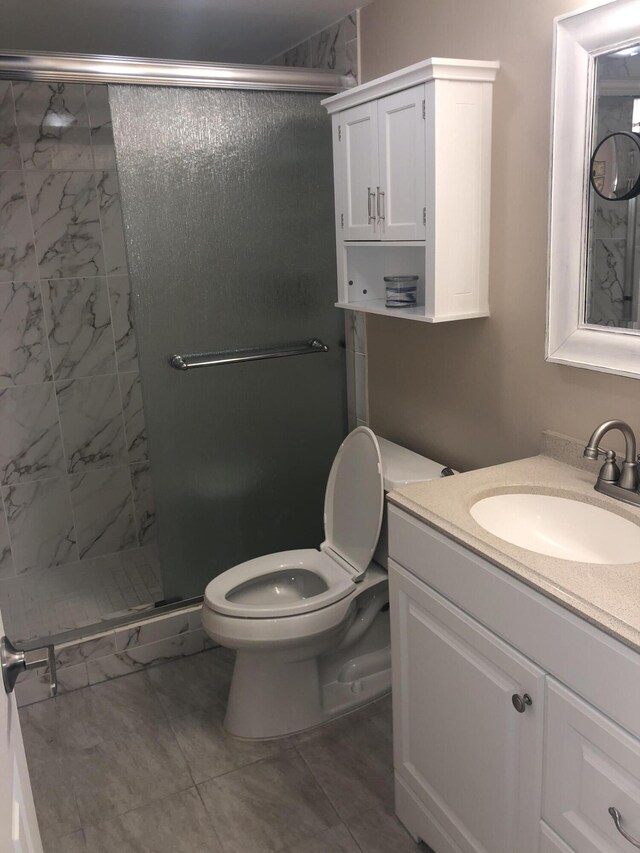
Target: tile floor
{"points": [[46, 603], [141, 764]]}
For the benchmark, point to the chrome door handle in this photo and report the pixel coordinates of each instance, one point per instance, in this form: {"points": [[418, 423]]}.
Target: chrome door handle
{"points": [[15, 661], [617, 819], [370, 216]]}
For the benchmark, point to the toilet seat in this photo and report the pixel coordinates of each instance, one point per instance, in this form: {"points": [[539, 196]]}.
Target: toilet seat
{"points": [[289, 583], [224, 594]]}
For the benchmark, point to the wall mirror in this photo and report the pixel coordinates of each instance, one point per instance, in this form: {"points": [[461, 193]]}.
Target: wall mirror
{"points": [[594, 248]]}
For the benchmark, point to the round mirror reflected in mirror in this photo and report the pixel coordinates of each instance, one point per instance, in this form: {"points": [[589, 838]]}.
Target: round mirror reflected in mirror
{"points": [[615, 166]]}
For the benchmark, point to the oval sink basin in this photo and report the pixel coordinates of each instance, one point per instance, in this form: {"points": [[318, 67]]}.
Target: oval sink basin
{"points": [[560, 527]]}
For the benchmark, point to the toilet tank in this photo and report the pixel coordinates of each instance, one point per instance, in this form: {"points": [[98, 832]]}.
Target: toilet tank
{"points": [[399, 468]]}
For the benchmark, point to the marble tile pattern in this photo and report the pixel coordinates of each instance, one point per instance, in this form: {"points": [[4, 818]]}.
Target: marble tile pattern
{"points": [[92, 422], [31, 446], [103, 510], [78, 320], [24, 353], [72, 431], [117, 651], [335, 49], [117, 768]]}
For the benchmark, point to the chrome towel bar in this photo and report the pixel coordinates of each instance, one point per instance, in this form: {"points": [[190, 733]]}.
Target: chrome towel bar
{"points": [[209, 359]]}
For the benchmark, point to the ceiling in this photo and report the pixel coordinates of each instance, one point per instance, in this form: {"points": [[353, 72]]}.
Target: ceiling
{"points": [[244, 31]]}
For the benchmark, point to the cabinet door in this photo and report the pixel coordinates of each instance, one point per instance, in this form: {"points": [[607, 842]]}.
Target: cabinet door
{"points": [[591, 765], [358, 154], [461, 747], [401, 203]]}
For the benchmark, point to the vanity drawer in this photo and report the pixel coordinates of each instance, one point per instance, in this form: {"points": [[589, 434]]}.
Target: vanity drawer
{"points": [[590, 764]]}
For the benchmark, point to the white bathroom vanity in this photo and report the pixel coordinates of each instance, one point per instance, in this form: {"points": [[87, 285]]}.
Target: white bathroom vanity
{"points": [[516, 676]]}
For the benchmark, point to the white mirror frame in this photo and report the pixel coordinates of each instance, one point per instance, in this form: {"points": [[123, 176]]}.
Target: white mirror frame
{"points": [[579, 38]]}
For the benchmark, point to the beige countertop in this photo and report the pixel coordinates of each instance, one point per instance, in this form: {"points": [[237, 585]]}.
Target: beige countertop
{"points": [[608, 596]]}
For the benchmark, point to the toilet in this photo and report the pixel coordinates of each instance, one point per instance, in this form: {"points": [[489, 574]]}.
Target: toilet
{"points": [[311, 627]]}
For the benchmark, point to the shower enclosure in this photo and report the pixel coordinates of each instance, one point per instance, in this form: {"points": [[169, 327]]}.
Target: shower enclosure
{"points": [[223, 176]]}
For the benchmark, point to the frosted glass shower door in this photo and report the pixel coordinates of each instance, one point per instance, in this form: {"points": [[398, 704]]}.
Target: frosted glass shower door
{"points": [[227, 201]]}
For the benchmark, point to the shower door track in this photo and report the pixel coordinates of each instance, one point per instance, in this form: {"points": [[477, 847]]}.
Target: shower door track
{"points": [[86, 68]]}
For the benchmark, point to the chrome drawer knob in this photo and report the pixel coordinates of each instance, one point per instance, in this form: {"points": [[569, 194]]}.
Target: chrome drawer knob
{"points": [[520, 702]]}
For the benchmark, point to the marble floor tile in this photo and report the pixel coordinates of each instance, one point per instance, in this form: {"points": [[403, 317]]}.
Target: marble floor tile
{"points": [[177, 824], [56, 805], [17, 250], [267, 806], [24, 353], [92, 423], [81, 720], [338, 839], [379, 831], [103, 509], [66, 222], [9, 143], [123, 774], [211, 751], [78, 319], [40, 524], [31, 447], [353, 763], [194, 684]]}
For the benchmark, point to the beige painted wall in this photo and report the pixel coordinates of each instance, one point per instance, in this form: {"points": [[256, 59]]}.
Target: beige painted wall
{"points": [[478, 392]]}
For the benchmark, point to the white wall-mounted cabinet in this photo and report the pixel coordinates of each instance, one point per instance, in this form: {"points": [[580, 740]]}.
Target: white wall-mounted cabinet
{"points": [[475, 770], [412, 167]]}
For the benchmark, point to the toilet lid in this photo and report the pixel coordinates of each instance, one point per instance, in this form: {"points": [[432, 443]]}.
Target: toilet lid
{"points": [[354, 500]]}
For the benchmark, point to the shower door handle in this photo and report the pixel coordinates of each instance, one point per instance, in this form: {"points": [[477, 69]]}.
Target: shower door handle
{"points": [[15, 661]]}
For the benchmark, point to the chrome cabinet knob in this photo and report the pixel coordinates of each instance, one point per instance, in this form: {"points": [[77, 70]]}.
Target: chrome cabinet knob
{"points": [[520, 702]]}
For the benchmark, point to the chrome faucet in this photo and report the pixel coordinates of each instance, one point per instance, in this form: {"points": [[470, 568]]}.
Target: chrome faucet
{"points": [[611, 481]]}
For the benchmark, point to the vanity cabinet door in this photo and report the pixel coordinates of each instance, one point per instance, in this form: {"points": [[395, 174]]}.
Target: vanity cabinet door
{"points": [[401, 201], [591, 765], [467, 763], [356, 163]]}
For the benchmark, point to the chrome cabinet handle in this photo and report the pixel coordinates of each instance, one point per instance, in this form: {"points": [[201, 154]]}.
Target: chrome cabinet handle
{"points": [[520, 703], [380, 207], [617, 819], [14, 661], [371, 216]]}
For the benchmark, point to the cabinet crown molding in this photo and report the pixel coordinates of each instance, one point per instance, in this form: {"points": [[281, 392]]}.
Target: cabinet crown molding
{"points": [[470, 70]]}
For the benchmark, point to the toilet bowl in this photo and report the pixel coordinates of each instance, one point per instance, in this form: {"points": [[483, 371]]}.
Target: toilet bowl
{"points": [[311, 627]]}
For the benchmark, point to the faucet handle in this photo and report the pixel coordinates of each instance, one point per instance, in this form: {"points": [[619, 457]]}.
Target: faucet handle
{"points": [[609, 473]]}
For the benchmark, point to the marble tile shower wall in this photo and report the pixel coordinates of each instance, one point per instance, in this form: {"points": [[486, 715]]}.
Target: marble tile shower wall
{"points": [[334, 48], [74, 471]]}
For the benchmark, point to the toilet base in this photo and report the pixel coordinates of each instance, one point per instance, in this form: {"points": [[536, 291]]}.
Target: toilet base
{"points": [[294, 698]]}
